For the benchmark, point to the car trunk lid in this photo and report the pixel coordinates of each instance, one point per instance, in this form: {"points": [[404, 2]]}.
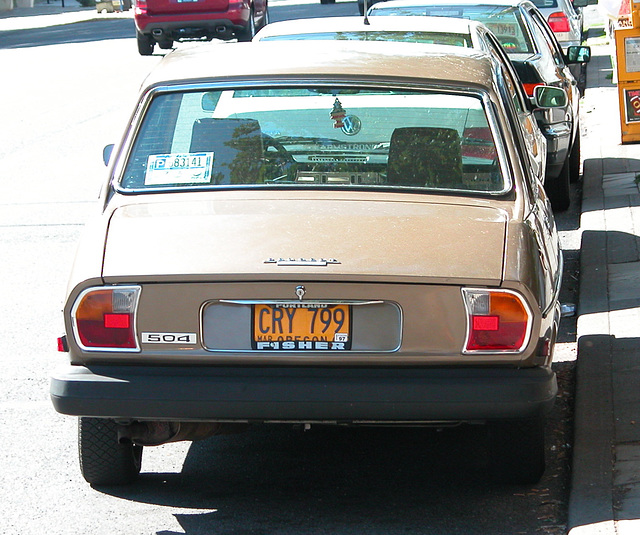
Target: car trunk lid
{"points": [[306, 238]]}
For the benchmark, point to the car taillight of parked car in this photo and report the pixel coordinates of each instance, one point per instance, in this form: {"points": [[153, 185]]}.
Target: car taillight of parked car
{"points": [[141, 7], [497, 321], [104, 318], [559, 23], [530, 88]]}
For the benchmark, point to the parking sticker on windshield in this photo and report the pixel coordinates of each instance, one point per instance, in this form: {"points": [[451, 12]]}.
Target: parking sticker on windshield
{"points": [[188, 168]]}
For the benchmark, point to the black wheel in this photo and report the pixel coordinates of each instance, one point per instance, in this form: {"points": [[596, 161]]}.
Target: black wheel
{"points": [[558, 188], [247, 33], [145, 44], [103, 460], [327, 1], [574, 159], [517, 450]]}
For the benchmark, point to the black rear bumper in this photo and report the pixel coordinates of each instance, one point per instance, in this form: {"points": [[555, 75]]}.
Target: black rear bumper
{"points": [[341, 395]]}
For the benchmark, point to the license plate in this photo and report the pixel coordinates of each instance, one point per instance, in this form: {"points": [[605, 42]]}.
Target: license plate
{"points": [[296, 327]]}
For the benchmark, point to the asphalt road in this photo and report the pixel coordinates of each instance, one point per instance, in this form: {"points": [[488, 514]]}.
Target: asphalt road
{"points": [[67, 92]]}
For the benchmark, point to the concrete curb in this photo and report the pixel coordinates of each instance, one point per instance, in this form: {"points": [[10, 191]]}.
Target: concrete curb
{"points": [[591, 501]]}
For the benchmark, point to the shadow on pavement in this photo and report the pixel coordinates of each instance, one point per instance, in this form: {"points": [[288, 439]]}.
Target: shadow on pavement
{"points": [[279, 479], [77, 32]]}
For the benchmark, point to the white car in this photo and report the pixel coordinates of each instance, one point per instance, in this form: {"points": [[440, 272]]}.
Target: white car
{"points": [[564, 18], [425, 30], [460, 32]]}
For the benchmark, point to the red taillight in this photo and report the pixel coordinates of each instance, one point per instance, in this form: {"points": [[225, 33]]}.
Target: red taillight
{"points": [[62, 344], [104, 318], [477, 142], [486, 323], [559, 22], [530, 88], [117, 321], [498, 320], [141, 7]]}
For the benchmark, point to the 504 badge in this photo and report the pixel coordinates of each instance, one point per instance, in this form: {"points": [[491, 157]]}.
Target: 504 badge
{"points": [[169, 338]]}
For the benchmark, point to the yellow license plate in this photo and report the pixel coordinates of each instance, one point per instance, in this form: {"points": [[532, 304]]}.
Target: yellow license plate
{"points": [[296, 327]]}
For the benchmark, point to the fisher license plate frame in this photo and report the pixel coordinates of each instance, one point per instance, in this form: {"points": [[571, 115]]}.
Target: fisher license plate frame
{"points": [[301, 327]]}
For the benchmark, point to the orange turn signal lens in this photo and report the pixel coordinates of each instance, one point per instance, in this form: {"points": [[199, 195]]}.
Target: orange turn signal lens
{"points": [[104, 318], [497, 321]]}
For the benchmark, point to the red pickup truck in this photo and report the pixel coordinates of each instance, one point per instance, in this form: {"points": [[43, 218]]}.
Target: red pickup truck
{"points": [[166, 21]]}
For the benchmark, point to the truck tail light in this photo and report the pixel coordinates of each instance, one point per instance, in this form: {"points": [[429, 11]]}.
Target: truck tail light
{"points": [[559, 23], [497, 321], [104, 318]]}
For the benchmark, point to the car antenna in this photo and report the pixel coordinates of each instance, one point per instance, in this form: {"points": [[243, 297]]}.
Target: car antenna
{"points": [[366, 17]]}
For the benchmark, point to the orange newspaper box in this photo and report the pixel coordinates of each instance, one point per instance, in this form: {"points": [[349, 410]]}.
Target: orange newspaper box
{"points": [[628, 71]]}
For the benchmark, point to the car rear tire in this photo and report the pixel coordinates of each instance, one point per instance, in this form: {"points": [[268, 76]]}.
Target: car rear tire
{"points": [[165, 44], [145, 44], [517, 450], [103, 460], [574, 159], [558, 189], [247, 33]]}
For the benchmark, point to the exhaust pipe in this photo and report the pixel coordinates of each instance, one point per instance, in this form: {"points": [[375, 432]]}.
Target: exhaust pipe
{"points": [[156, 32], [221, 29], [157, 433]]}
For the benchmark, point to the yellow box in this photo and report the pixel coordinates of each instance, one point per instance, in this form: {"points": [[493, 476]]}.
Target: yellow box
{"points": [[629, 101], [628, 54]]}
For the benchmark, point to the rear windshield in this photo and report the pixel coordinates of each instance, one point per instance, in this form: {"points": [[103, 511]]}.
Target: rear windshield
{"points": [[504, 21], [438, 38], [315, 137]]}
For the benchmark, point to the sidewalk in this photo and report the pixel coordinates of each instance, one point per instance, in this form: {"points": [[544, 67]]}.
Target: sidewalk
{"points": [[605, 491]]}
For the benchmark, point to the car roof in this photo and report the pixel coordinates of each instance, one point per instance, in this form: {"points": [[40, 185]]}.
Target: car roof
{"points": [[399, 3], [553, 4], [381, 23], [328, 60]]}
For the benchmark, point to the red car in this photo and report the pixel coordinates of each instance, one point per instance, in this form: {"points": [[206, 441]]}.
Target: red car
{"points": [[166, 21]]}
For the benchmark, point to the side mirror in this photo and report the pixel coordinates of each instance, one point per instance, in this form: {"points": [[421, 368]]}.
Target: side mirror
{"points": [[106, 153], [545, 96], [578, 54]]}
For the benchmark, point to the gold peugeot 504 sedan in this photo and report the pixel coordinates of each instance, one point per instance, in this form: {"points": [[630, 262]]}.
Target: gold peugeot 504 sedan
{"points": [[336, 233]]}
